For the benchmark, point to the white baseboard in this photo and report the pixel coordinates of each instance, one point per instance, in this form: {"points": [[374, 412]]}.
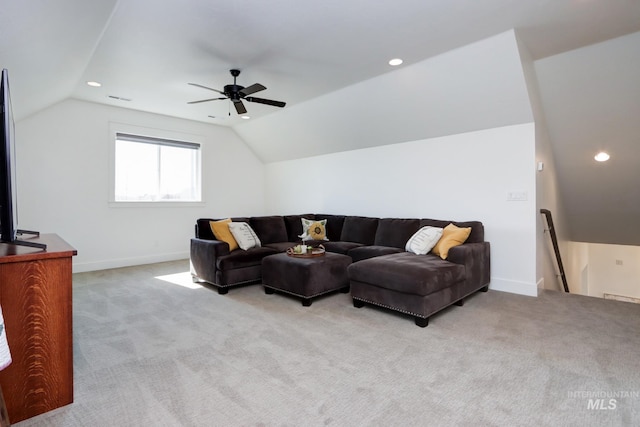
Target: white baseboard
{"points": [[81, 267], [514, 287]]}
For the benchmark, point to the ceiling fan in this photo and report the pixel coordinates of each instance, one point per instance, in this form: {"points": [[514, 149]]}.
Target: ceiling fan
{"points": [[236, 93]]}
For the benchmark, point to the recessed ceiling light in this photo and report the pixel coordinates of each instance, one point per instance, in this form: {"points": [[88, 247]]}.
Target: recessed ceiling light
{"points": [[94, 84], [602, 156], [395, 62], [246, 117]]}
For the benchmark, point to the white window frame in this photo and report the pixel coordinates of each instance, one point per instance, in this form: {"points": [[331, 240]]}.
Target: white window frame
{"points": [[149, 135]]}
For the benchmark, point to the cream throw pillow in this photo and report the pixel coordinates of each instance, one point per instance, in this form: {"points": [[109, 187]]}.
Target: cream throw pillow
{"points": [[424, 240], [221, 232], [451, 236], [244, 235]]}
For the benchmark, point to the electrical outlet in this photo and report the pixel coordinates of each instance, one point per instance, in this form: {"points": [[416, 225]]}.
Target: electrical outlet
{"points": [[619, 262]]}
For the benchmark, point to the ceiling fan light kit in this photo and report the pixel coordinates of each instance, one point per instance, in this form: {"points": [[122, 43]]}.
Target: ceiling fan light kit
{"points": [[236, 94]]}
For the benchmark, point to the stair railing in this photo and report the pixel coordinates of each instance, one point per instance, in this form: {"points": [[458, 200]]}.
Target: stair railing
{"points": [[554, 240]]}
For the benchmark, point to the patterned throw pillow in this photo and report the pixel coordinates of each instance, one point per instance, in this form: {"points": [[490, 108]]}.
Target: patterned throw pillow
{"points": [[244, 235], [424, 240], [313, 230]]}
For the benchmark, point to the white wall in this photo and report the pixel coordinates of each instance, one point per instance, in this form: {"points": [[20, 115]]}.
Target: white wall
{"points": [[595, 269], [614, 269], [460, 177], [577, 267], [547, 188], [63, 172]]}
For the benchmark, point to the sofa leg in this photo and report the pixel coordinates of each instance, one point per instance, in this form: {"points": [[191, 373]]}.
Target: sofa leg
{"points": [[222, 291], [306, 302], [268, 291], [357, 303], [485, 289], [460, 302], [423, 322], [345, 290]]}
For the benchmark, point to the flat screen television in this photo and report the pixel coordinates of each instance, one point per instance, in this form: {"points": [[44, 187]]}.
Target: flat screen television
{"points": [[8, 194]]}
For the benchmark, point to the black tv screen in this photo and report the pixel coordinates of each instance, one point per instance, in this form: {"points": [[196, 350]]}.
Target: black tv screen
{"points": [[8, 213]]}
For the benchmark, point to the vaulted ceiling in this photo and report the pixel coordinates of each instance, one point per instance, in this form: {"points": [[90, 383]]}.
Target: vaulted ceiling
{"points": [[144, 52]]}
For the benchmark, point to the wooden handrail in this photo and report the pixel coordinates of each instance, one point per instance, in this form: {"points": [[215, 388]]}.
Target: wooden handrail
{"points": [[554, 240]]}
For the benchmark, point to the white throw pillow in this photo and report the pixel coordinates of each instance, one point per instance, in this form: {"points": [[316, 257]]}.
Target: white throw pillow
{"points": [[424, 240], [244, 235]]}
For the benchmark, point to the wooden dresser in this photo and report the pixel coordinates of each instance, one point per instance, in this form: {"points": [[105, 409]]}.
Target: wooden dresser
{"points": [[36, 296]]}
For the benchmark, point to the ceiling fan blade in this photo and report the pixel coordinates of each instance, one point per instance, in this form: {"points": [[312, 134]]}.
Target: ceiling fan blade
{"points": [[266, 101], [257, 87], [204, 100], [239, 107], [205, 87]]}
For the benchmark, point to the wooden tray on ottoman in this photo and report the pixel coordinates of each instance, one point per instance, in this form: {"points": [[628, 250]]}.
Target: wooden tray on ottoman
{"points": [[319, 251]]}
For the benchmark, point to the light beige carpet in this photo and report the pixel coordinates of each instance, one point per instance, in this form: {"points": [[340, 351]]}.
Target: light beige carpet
{"points": [[149, 352]]}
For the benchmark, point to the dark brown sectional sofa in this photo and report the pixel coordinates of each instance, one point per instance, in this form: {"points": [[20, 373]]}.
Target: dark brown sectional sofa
{"points": [[382, 273]]}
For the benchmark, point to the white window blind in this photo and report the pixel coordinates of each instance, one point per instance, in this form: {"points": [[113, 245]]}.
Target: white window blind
{"points": [[149, 169]]}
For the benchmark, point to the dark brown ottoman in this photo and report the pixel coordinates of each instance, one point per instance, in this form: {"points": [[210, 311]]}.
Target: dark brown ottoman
{"points": [[306, 278]]}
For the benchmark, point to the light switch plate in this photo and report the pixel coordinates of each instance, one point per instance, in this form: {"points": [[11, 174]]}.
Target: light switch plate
{"points": [[517, 196]]}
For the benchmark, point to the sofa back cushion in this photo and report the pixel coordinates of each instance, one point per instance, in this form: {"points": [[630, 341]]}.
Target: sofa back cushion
{"points": [[359, 229], [294, 226], [203, 229], [477, 228], [334, 225], [395, 232], [270, 229], [203, 226]]}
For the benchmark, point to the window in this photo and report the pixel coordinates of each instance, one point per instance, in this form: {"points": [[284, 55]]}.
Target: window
{"points": [[151, 169]]}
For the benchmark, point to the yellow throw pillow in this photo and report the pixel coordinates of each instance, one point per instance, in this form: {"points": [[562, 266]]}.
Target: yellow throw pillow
{"points": [[451, 236], [221, 232]]}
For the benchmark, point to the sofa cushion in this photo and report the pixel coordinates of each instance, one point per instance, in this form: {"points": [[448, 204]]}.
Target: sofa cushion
{"points": [[340, 247], [451, 236], [241, 219], [334, 225], [244, 235], [366, 252], [408, 273], [395, 231], [294, 226], [359, 229], [280, 246], [424, 240], [270, 229], [203, 229], [221, 232], [242, 259]]}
